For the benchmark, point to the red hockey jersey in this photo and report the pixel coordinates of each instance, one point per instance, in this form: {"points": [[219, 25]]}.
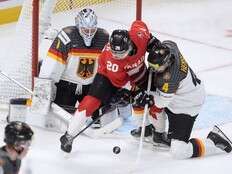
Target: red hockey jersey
{"points": [[132, 68]]}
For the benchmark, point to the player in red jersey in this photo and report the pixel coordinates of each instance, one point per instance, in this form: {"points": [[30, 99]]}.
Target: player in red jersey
{"points": [[122, 62]]}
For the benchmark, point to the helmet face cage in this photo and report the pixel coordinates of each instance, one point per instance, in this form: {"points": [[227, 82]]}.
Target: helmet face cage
{"points": [[159, 60], [18, 134], [86, 21], [120, 43]]}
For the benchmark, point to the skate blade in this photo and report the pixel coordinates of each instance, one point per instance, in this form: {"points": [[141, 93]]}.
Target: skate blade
{"points": [[145, 140], [160, 146], [217, 130], [155, 146]]}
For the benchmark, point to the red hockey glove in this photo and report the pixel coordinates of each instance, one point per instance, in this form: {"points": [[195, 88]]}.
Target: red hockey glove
{"points": [[154, 110]]}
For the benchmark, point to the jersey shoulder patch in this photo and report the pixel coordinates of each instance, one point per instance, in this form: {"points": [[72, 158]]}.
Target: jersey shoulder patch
{"points": [[66, 33]]}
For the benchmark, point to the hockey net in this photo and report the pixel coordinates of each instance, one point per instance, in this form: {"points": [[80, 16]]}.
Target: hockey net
{"points": [[18, 63]]}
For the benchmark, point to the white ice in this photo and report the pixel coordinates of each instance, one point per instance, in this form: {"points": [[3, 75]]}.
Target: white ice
{"points": [[198, 27]]}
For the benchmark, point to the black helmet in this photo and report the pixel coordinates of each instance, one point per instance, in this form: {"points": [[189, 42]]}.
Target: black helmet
{"points": [[16, 132], [120, 43], [159, 59]]}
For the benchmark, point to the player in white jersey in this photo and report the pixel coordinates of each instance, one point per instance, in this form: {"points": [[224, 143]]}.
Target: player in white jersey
{"points": [[71, 61], [178, 94]]}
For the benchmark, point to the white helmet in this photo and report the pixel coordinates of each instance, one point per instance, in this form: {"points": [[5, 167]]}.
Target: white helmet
{"points": [[86, 21]]}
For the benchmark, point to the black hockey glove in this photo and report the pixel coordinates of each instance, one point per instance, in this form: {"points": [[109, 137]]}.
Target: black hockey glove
{"points": [[153, 43], [142, 98], [122, 98]]}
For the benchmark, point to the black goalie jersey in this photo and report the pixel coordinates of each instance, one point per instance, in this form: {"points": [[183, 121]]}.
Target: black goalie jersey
{"points": [[70, 60]]}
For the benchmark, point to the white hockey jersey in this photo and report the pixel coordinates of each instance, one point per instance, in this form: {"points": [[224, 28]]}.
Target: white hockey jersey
{"points": [[70, 60], [178, 88]]}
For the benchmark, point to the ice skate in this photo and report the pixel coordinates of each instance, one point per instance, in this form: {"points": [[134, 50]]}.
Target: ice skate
{"points": [[220, 139], [137, 132], [160, 140]]}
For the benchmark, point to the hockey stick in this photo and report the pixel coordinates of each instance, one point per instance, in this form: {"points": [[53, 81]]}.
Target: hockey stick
{"points": [[56, 108], [144, 120]]}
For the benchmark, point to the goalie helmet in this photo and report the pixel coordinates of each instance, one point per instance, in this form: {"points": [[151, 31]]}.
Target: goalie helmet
{"points": [[120, 43], [86, 22], [18, 133]]}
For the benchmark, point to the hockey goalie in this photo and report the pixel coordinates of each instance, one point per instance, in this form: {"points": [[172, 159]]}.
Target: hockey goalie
{"points": [[67, 72]]}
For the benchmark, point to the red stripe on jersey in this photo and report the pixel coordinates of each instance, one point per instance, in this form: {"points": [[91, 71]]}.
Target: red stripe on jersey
{"points": [[78, 50], [58, 54]]}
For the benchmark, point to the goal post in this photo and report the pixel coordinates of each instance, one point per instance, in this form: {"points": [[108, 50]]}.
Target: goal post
{"points": [[35, 39], [21, 61]]}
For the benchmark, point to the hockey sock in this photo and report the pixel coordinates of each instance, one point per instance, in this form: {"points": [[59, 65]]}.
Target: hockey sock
{"points": [[198, 147]]}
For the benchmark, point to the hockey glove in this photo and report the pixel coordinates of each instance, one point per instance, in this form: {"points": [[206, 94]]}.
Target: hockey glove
{"points": [[154, 110], [153, 43], [141, 99], [122, 98]]}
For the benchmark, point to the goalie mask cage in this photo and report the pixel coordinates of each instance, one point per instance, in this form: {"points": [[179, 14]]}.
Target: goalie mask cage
{"points": [[36, 16]]}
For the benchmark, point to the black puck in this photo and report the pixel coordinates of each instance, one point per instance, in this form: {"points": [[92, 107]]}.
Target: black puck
{"points": [[116, 150]]}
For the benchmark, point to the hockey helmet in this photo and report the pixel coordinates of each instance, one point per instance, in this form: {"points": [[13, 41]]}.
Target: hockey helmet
{"points": [[159, 59], [86, 22], [18, 133], [120, 43]]}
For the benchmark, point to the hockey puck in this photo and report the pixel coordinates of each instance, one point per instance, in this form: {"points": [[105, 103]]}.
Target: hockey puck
{"points": [[116, 150]]}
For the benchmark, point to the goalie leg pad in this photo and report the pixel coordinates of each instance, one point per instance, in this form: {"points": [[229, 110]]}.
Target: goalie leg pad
{"points": [[55, 123], [107, 129], [125, 112], [109, 117]]}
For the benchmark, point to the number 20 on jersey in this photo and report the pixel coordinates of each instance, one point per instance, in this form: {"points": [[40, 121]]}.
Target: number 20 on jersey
{"points": [[111, 66]]}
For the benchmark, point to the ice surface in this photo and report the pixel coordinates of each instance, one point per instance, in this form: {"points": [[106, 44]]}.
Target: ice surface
{"points": [[198, 27]]}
